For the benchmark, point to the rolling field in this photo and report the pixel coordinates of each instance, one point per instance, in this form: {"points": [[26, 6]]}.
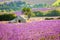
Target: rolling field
{"points": [[41, 30]]}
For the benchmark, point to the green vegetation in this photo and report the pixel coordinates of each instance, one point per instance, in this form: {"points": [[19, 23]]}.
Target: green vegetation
{"points": [[53, 13], [41, 14], [27, 11], [16, 5], [38, 14], [50, 13], [41, 5], [7, 17], [56, 5]]}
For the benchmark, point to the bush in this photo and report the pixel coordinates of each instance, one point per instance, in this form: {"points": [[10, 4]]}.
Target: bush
{"points": [[7, 17], [38, 14], [53, 13]]}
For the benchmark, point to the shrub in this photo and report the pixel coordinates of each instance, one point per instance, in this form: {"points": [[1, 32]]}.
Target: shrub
{"points": [[27, 11], [38, 14], [53, 13], [7, 17]]}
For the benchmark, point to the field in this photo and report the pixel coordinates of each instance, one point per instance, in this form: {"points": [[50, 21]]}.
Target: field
{"points": [[40, 30], [21, 20]]}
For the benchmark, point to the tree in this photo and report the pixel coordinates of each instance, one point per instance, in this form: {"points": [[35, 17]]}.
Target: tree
{"points": [[7, 17], [53, 13], [38, 14], [59, 3], [27, 11]]}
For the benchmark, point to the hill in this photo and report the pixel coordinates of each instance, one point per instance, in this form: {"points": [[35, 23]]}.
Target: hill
{"points": [[11, 6], [56, 4]]}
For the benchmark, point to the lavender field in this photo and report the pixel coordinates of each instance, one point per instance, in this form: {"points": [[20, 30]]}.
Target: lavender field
{"points": [[42, 30], [29, 20]]}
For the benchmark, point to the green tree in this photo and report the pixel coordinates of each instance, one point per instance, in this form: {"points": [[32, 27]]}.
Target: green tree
{"points": [[53, 13], [7, 17], [27, 11], [38, 14], [59, 3]]}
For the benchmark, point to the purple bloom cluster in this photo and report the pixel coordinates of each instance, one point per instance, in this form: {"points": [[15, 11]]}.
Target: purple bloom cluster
{"points": [[42, 30]]}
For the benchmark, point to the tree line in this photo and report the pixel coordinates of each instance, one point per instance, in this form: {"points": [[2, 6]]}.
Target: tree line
{"points": [[28, 12]]}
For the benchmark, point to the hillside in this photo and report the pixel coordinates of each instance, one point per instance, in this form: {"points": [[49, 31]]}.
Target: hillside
{"points": [[11, 6], [56, 4], [16, 5]]}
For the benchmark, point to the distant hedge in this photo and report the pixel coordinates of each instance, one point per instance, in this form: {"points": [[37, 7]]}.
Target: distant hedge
{"points": [[53, 13], [7, 17], [38, 14], [49, 13]]}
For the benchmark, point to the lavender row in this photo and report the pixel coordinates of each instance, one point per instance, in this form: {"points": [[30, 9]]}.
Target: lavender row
{"points": [[42, 30]]}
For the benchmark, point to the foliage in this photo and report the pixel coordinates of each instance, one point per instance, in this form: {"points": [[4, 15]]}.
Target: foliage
{"points": [[27, 11], [38, 14], [56, 4], [50, 13], [7, 17], [53, 13], [59, 3], [40, 5], [16, 5]]}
